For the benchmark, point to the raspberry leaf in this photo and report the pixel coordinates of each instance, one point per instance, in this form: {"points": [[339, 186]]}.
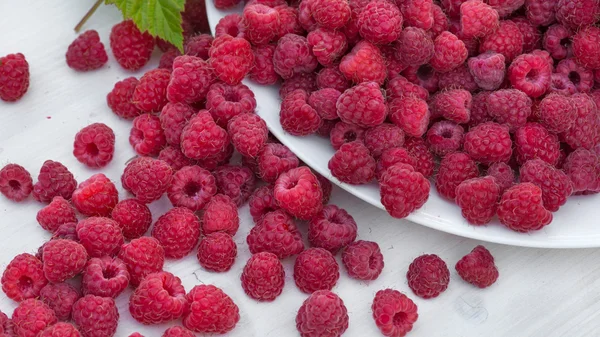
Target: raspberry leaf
{"points": [[161, 18]]}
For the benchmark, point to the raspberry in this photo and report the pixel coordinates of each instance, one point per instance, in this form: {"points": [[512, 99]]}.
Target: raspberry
{"points": [[450, 52], [323, 313], [332, 229], [262, 202], [248, 134], [531, 74], [159, 298], [94, 145], [100, 236], [220, 215], [96, 196], [503, 174], [478, 199], [105, 277], [198, 45], [315, 269], [330, 14], [231, 58], [423, 76], [288, 20], [54, 180], [202, 137], [177, 331], [66, 231], [556, 112], [173, 118], [343, 133], [236, 182], [58, 212], [363, 260], [380, 22], [262, 23], [23, 278], [120, 99], [534, 141], [454, 169], [305, 17], [583, 168], [6, 326], [353, 164], [332, 78], [142, 256], [394, 156], [86, 52], [557, 41], [147, 178], [131, 48], [521, 208], [582, 78], [414, 47], [217, 252], [303, 81], [96, 316], [263, 277], [263, 71], [428, 276], [136, 334], [586, 127], [297, 117], [477, 19], [326, 187], [167, 59], [403, 190], [577, 13], [211, 310], [173, 156], [479, 109], [362, 105], [541, 12], [417, 13], [506, 7], [417, 148], [364, 63], [586, 47], [150, 94], [63, 259], [60, 297], [14, 77], [478, 268], [275, 233], [324, 101], [440, 21], [192, 187], [454, 105], [561, 84], [510, 107], [15, 182], [326, 127], [489, 143], [177, 231], [327, 45], [506, 40], [225, 102], [147, 136], [532, 37], [394, 313], [293, 55], [555, 184], [459, 78], [399, 86], [445, 137], [230, 24], [31, 317], [190, 80], [225, 4], [382, 137], [60, 329]]}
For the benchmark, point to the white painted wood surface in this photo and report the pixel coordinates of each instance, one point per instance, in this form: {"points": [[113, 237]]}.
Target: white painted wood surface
{"points": [[543, 293]]}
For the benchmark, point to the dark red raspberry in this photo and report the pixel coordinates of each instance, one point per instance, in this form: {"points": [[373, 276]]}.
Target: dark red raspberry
{"points": [[263, 277], [510, 107], [293, 55], [202, 137], [147, 178], [303, 81], [327, 45], [380, 22], [332, 78], [414, 47], [454, 169], [178, 232], [555, 184], [556, 112], [231, 58], [217, 252], [198, 46], [428, 276], [100, 236], [15, 182], [211, 310], [236, 182], [531, 74], [479, 109], [506, 40], [248, 133], [105, 277], [393, 156], [142, 256], [417, 13], [343, 133], [506, 7], [445, 137], [557, 41], [326, 127], [363, 105], [332, 229], [66, 231], [86, 52], [131, 48], [230, 24], [353, 164], [275, 233], [14, 77], [167, 59], [424, 158], [60, 297], [577, 13], [583, 168], [488, 70], [147, 136], [262, 23], [399, 86], [324, 101], [440, 21], [58, 212], [363, 260], [534, 141], [364, 63], [541, 12], [477, 19], [450, 52], [173, 156], [315, 269], [323, 313], [586, 129], [263, 71], [192, 187], [403, 190], [503, 174], [96, 316], [54, 180], [94, 145], [220, 215], [63, 259], [478, 199], [120, 99], [225, 102], [190, 80], [394, 313], [31, 317], [96, 196], [459, 78], [173, 118], [489, 143], [383, 137], [23, 278], [133, 217], [582, 78], [521, 208], [150, 94], [296, 116], [478, 268], [60, 329], [262, 202], [423, 76], [159, 298], [586, 47]]}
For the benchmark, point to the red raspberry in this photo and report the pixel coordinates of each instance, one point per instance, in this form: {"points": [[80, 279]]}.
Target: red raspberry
{"points": [[534, 141], [54, 180], [217, 252], [178, 232], [15, 182], [230, 24], [225, 102], [63, 259], [316, 269], [330, 14], [450, 52], [478, 199], [332, 78], [382, 137], [6, 326], [167, 59], [248, 133], [417, 13], [225, 4], [236, 182], [326, 187], [325, 129], [173, 156], [147, 136], [440, 21], [305, 17], [178, 331], [303, 81], [31, 317], [94, 145], [459, 78], [556, 112], [150, 94], [220, 215], [478, 268], [131, 48], [541, 12], [262, 202], [363, 260], [147, 178], [403, 190], [192, 187], [557, 41], [364, 63], [23, 278], [327, 45], [263, 71], [380, 22], [521, 208], [60, 297], [414, 47], [231, 58], [395, 155], [120, 99], [582, 78], [555, 184], [221, 158], [332, 229], [506, 40], [583, 168], [96, 196], [394, 313], [452, 7], [211, 310], [489, 143], [142, 256], [173, 118], [14, 77], [105, 277], [159, 298], [297, 117], [479, 109], [454, 169], [191, 78], [531, 74], [262, 23], [586, 129], [60, 329], [58, 212], [343, 133], [293, 55], [510, 107], [423, 76], [445, 137], [353, 164], [577, 13], [399, 86], [66, 231], [428, 276], [202, 137], [424, 158], [506, 7], [477, 19], [363, 105], [263, 277], [133, 217], [503, 174], [136, 334], [86, 52], [532, 36], [275, 233], [100, 236], [198, 46], [288, 20], [324, 101], [323, 313], [96, 316], [454, 105]]}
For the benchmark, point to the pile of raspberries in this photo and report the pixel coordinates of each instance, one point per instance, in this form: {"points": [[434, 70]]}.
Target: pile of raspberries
{"points": [[505, 87]]}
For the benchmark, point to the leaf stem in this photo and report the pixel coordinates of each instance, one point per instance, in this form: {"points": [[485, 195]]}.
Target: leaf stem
{"points": [[88, 15]]}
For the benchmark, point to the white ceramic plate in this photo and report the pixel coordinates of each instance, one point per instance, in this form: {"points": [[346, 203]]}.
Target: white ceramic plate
{"points": [[576, 225]]}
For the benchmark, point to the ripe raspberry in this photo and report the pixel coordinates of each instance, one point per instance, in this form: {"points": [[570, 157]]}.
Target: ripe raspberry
{"points": [[424, 158], [382, 137], [428, 276], [454, 105], [6, 326], [198, 45], [478, 268], [459, 78], [173, 156], [532, 36], [262, 23], [327, 45], [555, 184], [263, 71], [330, 14], [303, 81], [248, 133], [315, 269], [288, 20], [192, 187], [211, 310], [263, 277], [393, 156], [423, 76], [454, 169], [54, 180], [23, 278], [293, 55], [173, 118], [230, 24], [147, 178], [60, 329], [479, 109], [582, 78], [332, 229], [226, 4], [323, 313], [343, 133], [58, 212], [202, 137], [305, 17], [167, 59], [363, 105], [217, 252], [541, 12], [66, 231], [147, 136], [236, 182], [142, 256], [296, 116], [586, 128], [534, 141], [450, 52], [231, 58], [557, 41], [178, 232], [63, 259], [489, 143], [364, 63], [399, 86], [440, 21], [86, 52], [14, 77], [191, 79], [332, 78], [506, 40], [521, 208], [577, 13], [324, 101], [31, 317], [380, 22], [586, 47], [503, 174], [417, 13], [445, 137], [178, 331], [225, 102], [100, 236], [583, 168], [363, 260], [262, 202], [105, 277], [60, 297], [96, 196], [556, 112], [510, 107], [159, 298], [478, 199], [561, 84], [477, 19], [353, 164], [394, 313], [220, 215], [403, 190], [131, 48], [15, 182], [96, 316], [506, 7], [275, 233], [414, 47], [326, 127], [120, 99], [531, 74], [94, 145], [221, 158]]}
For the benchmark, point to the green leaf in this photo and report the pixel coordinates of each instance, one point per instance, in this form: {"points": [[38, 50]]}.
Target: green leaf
{"points": [[160, 18]]}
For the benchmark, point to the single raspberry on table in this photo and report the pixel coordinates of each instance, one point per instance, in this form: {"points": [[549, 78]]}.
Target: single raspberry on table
{"points": [[142, 257], [86, 52], [131, 48], [202, 137], [15, 182], [506, 40], [192, 187], [531, 74], [190, 80], [210, 311], [263, 71], [23, 277], [217, 252], [477, 19], [382, 137], [488, 70], [398, 87], [323, 313], [96, 316], [478, 268], [577, 13], [428, 276], [489, 143], [332, 229], [330, 14], [454, 169], [343, 133], [133, 217], [332, 78], [58, 212], [147, 178], [393, 156], [363, 260], [583, 168], [556, 112], [226, 101], [262, 23], [276, 233], [230, 24], [364, 63], [31, 317], [478, 199], [60, 297], [417, 13], [454, 105], [63, 259], [449, 52], [105, 277], [173, 156], [394, 313], [263, 277], [510, 107], [147, 136], [555, 184], [198, 45], [231, 58], [159, 298], [363, 105], [414, 47], [173, 118], [304, 81], [120, 98], [100, 236], [445, 137], [54, 180], [150, 95], [353, 164], [14, 77], [586, 129], [380, 22], [327, 45], [262, 202], [316, 269], [94, 145], [521, 208], [534, 141], [96, 196], [236, 182], [177, 231]]}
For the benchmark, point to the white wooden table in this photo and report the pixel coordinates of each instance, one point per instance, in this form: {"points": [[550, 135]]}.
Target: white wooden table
{"points": [[539, 293]]}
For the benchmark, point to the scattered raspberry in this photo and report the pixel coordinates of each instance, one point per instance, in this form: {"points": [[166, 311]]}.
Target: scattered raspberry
{"points": [[263, 277], [477, 19], [577, 13], [248, 133], [96, 196], [63, 259], [394, 313], [303, 81], [380, 22], [263, 71], [423, 76], [315, 269], [31, 317], [363, 260], [534, 141], [323, 313], [364, 63], [293, 55], [353, 164], [225, 4], [231, 58], [217, 252], [531, 74], [445, 137], [363, 105], [305, 17], [489, 143], [275, 233], [192, 77], [331, 14], [105, 277], [332, 78], [142, 256], [159, 298], [262, 202], [288, 20], [414, 47], [173, 156], [220, 215], [221, 158], [454, 105], [54, 180], [120, 99], [211, 310], [399, 86], [202, 137], [561, 84], [147, 136], [94, 145], [459, 78], [450, 52], [343, 133], [521, 208], [555, 184], [510, 107], [324, 102], [556, 112], [327, 45], [428, 276], [15, 182], [506, 40], [60, 297], [147, 178], [86, 52], [506, 7], [58, 212], [23, 278], [583, 168], [96, 316], [177, 231], [230, 25], [332, 229], [541, 12], [14, 77], [262, 23], [192, 187], [479, 109], [586, 129], [417, 13], [478, 268], [325, 129], [424, 158], [236, 182], [66, 231], [454, 169], [478, 199], [131, 48], [100, 236]]}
